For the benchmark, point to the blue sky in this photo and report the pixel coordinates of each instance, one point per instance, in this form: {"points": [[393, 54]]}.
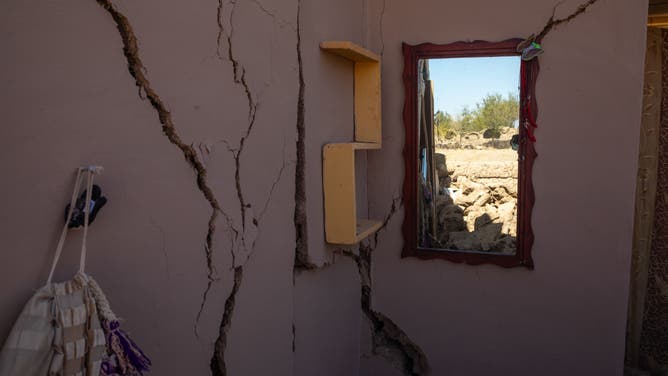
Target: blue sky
{"points": [[460, 82]]}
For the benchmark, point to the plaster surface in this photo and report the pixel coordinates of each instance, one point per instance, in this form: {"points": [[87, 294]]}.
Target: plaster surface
{"points": [[68, 99], [566, 317]]}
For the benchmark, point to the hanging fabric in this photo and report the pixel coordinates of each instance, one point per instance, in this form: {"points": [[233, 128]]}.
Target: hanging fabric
{"points": [[68, 328], [58, 332]]}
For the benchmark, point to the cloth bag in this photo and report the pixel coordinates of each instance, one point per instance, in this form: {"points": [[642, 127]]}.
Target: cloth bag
{"points": [[59, 331]]}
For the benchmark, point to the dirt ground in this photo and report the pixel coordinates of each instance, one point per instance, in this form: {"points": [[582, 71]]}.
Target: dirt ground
{"points": [[486, 156]]}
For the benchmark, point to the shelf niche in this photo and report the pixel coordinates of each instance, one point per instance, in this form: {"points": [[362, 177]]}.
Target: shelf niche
{"points": [[342, 224]]}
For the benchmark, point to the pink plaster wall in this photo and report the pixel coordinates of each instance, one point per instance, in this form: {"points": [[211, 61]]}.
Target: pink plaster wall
{"points": [[66, 99], [567, 317]]}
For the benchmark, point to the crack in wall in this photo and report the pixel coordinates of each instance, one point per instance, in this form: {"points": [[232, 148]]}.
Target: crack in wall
{"points": [[552, 22], [219, 20], [393, 209], [239, 79], [301, 260], [388, 340], [275, 18], [257, 219], [137, 71], [380, 26], [218, 365]]}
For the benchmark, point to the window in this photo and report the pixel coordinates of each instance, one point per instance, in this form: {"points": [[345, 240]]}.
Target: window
{"points": [[468, 117]]}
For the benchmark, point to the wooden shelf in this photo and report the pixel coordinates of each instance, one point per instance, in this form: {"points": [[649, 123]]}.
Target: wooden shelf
{"points": [[657, 21], [350, 51], [367, 88], [356, 145], [342, 225]]}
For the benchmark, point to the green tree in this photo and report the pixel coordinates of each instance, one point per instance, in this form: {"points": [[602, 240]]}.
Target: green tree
{"points": [[467, 121], [496, 112]]}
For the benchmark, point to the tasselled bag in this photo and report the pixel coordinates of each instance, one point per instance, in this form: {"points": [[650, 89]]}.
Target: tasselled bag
{"points": [[68, 328]]}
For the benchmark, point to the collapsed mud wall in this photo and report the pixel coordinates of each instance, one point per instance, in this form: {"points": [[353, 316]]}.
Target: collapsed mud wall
{"points": [[476, 196]]}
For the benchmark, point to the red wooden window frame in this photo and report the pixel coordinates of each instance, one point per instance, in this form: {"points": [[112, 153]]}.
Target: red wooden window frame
{"points": [[527, 154]]}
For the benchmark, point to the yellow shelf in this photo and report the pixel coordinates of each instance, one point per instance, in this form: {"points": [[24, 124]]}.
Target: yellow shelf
{"points": [[367, 88], [357, 145], [342, 225], [350, 51], [657, 21]]}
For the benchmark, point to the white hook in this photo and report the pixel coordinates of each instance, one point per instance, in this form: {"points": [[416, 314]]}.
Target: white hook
{"points": [[92, 168]]}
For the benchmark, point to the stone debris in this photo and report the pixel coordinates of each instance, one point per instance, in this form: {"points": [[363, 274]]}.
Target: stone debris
{"points": [[477, 203]]}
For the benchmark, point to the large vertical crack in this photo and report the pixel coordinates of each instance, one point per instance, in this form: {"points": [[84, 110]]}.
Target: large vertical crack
{"points": [[218, 365], [380, 27], [301, 260], [388, 339], [257, 218], [239, 77]]}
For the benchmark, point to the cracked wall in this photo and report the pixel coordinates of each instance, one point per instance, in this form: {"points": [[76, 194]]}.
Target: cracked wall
{"points": [[568, 315], [173, 252], [153, 243], [137, 87], [327, 287]]}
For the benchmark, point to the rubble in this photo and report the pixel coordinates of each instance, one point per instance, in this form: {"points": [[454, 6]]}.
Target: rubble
{"points": [[476, 205]]}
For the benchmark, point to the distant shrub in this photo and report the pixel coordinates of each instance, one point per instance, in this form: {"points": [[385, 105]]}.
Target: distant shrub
{"points": [[450, 134], [491, 133]]}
